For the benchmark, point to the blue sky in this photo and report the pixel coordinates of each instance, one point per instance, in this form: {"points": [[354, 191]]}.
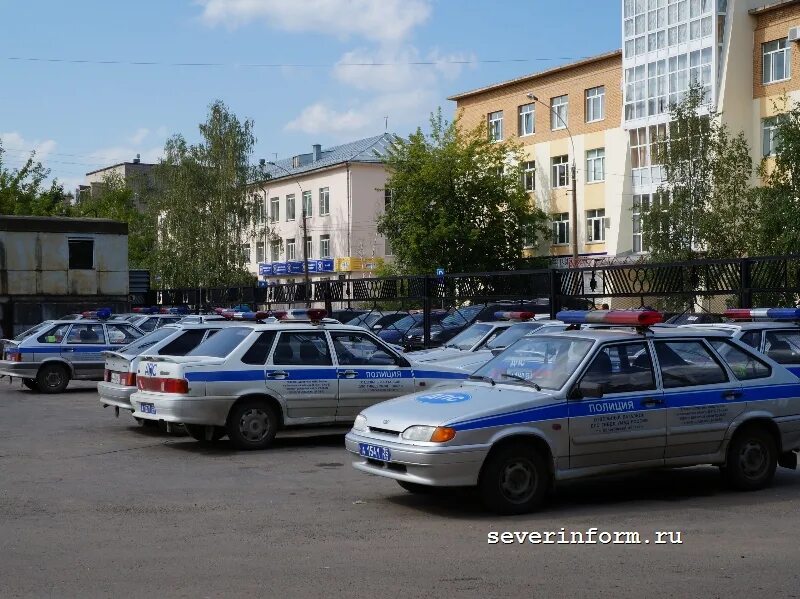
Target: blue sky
{"points": [[81, 116]]}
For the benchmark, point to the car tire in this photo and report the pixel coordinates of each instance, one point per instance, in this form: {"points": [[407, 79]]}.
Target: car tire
{"points": [[252, 424], [416, 488], [52, 378], [205, 433], [514, 479], [31, 384], [752, 459]]}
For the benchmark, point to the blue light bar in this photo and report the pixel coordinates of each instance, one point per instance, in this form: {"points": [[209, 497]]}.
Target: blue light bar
{"points": [[636, 318], [768, 313], [100, 313]]}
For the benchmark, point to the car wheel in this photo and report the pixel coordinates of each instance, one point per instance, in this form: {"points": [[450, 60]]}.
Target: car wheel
{"points": [[752, 459], [52, 378], [514, 479], [416, 488], [30, 384], [252, 425], [205, 433]]}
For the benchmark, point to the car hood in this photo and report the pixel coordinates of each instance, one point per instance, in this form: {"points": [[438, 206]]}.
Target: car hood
{"points": [[469, 361], [469, 405], [435, 354]]}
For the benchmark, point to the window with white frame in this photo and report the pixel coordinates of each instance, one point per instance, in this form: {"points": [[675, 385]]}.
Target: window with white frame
{"points": [[769, 136], [560, 224], [595, 104], [595, 226], [529, 175], [259, 251], [324, 201], [324, 246], [527, 119], [559, 113], [290, 211], [246, 255], [275, 250], [290, 253], [595, 165], [777, 61], [496, 125], [641, 204], [274, 209], [309, 248], [308, 211], [560, 176]]}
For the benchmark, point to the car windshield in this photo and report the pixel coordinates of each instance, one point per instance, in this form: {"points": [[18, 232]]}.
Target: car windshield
{"points": [[366, 320], [141, 344], [221, 344], [406, 322], [461, 316], [469, 336], [546, 360], [512, 334]]}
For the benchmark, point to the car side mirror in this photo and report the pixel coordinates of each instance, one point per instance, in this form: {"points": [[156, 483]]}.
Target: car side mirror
{"points": [[589, 389], [377, 327]]}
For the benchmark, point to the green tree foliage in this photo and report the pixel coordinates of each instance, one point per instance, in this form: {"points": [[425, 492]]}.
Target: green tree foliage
{"points": [[204, 210], [705, 205], [457, 201], [23, 190]]}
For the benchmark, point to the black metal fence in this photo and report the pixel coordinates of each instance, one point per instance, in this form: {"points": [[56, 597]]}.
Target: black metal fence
{"points": [[699, 285]]}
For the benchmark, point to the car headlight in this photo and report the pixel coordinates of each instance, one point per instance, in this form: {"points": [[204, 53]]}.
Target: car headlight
{"points": [[435, 334], [435, 434], [360, 423]]}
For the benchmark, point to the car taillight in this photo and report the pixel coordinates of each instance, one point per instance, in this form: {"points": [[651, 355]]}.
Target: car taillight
{"points": [[162, 385], [128, 379], [106, 375], [14, 357]]}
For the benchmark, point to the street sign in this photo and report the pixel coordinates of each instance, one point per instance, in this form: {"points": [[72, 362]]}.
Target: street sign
{"points": [[440, 272]]}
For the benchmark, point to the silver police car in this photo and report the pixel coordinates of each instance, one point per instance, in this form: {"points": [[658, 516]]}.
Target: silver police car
{"points": [[587, 402]]}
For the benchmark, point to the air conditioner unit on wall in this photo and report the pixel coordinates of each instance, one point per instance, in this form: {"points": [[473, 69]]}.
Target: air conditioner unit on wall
{"points": [[794, 34]]}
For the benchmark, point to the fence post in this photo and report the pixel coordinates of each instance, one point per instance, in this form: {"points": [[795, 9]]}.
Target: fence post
{"points": [[555, 292], [745, 284], [426, 311]]}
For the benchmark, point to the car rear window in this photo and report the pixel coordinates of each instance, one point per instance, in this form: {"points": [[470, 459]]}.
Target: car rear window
{"points": [[221, 344], [141, 344], [461, 316], [183, 343]]}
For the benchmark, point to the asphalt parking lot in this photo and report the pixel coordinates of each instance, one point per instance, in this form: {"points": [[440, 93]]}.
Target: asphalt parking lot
{"points": [[93, 506]]}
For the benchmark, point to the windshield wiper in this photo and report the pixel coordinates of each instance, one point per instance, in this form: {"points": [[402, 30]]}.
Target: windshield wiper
{"points": [[486, 379], [522, 380]]}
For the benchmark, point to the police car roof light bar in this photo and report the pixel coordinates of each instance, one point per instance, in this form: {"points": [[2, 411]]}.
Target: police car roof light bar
{"points": [[260, 315], [768, 313], [513, 315], [153, 310], [99, 314], [313, 314], [634, 318]]}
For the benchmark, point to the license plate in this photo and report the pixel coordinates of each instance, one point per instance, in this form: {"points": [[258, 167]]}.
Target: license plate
{"points": [[147, 408], [374, 452], [115, 378]]}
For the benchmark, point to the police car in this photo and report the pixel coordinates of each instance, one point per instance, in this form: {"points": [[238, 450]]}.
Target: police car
{"points": [[774, 332], [47, 357], [586, 402], [248, 381], [150, 319], [119, 378]]}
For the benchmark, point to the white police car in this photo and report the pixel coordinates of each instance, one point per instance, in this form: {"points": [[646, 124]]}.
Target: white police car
{"points": [[150, 319], [586, 402], [248, 381], [48, 356]]}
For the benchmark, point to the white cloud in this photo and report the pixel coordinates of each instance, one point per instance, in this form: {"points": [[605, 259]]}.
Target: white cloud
{"points": [[18, 145], [139, 136], [320, 117], [378, 20]]}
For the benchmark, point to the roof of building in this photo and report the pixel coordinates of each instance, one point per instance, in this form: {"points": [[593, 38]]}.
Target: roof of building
{"points": [[531, 76], [109, 167], [61, 224], [773, 6], [368, 150]]}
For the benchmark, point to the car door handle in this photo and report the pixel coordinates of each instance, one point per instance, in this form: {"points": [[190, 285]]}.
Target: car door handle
{"points": [[67, 349], [652, 401], [348, 374], [730, 395], [278, 374]]}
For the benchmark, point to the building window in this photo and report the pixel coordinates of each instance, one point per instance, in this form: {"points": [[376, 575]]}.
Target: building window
{"points": [[274, 210], [307, 207], [81, 254], [290, 254], [595, 104], [274, 250], [561, 228], [595, 226], [527, 119], [777, 61], [246, 255], [641, 204], [560, 171], [309, 247], [559, 117], [290, 211], [259, 252], [387, 199], [529, 175], [261, 209], [769, 136], [324, 246], [496, 125], [596, 165], [324, 201]]}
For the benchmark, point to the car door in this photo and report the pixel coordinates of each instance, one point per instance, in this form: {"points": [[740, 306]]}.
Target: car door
{"points": [[783, 346], [627, 424], [368, 373], [301, 372], [83, 347], [702, 399]]}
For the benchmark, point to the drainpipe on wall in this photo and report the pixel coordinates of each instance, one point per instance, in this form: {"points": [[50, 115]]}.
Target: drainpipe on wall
{"points": [[349, 208]]}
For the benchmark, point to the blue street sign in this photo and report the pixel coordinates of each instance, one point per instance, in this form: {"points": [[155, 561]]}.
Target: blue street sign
{"points": [[440, 272]]}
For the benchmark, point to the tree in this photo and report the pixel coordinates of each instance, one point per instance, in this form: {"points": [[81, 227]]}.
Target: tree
{"points": [[457, 201], [704, 204], [23, 190], [204, 210]]}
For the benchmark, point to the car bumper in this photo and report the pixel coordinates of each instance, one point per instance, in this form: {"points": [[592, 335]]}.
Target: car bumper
{"points": [[449, 466], [26, 370], [183, 409], [118, 396]]}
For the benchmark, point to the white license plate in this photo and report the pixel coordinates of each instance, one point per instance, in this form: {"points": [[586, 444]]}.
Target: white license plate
{"points": [[375, 452], [147, 408], [115, 378]]}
